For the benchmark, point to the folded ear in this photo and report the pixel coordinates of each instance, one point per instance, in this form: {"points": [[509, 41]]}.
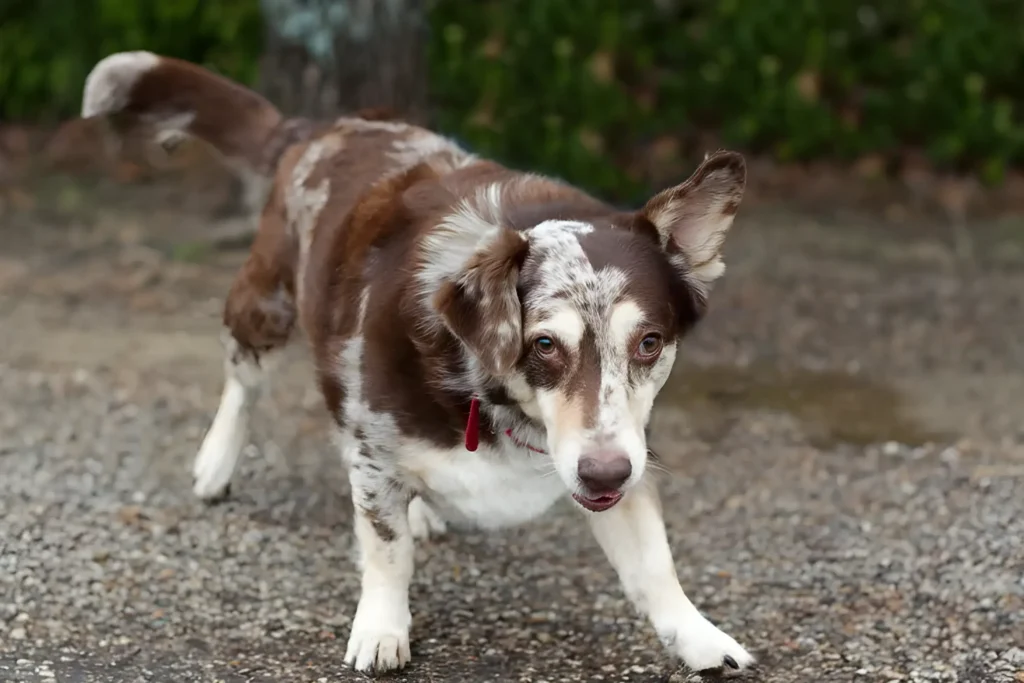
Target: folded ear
{"points": [[480, 303], [692, 218]]}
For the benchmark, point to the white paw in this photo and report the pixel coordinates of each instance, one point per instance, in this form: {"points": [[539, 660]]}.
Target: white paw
{"points": [[214, 466], [423, 521], [223, 444], [380, 636], [701, 645]]}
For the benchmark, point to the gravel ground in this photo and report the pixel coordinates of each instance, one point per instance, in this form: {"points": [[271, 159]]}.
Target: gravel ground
{"points": [[844, 495]]}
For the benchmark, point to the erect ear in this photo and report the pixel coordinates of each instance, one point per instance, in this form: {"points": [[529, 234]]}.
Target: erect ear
{"points": [[693, 217], [480, 304]]}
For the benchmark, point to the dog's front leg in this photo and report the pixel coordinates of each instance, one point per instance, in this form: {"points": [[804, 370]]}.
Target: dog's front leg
{"points": [[379, 640], [632, 535]]}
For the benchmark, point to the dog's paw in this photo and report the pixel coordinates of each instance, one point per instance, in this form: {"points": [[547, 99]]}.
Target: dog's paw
{"points": [[211, 480], [703, 646], [380, 638], [423, 521], [215, 463]]}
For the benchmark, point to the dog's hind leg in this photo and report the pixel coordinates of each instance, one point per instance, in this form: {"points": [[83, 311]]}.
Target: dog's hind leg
{"points": [[424, 522], [259, 316]]}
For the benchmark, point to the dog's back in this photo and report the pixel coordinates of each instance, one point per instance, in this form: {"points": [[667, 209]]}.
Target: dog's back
{"points": [[329, 188]]}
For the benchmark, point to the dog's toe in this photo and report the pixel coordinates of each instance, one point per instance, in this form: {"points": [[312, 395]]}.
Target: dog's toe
{"points": [[380, 638], [392, 653], [703, 647], [211, 492], [378, 652]]}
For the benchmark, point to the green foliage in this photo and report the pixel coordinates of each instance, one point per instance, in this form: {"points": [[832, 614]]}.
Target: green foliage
{"points": [[601, 91], [47, 47], [530, 81]]}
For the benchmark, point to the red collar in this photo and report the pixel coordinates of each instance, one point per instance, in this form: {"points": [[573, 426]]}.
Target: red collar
{"points": [[473, 429], [508, 433]]}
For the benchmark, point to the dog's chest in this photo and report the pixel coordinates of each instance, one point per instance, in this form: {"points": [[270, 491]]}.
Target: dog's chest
{"points": [[491, 488]]}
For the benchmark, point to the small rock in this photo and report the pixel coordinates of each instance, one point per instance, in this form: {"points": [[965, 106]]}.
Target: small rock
{"points": [[18, 634], [806, 643], [130, 514]]}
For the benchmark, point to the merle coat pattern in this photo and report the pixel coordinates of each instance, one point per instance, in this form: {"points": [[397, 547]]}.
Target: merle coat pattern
{"points": [[452, 304]]}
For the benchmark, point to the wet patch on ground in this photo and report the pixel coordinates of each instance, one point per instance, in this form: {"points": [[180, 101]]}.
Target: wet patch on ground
{"points": [[832, 407]]}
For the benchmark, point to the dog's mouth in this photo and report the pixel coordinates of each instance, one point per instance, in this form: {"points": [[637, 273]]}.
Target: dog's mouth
{"points": [[597, 502]]}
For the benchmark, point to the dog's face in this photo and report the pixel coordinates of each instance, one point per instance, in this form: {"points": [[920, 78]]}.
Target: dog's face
{"points": [[579, 321]]}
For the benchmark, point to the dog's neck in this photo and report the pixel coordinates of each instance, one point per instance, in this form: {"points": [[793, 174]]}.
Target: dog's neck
{"points": [[506, 417]]}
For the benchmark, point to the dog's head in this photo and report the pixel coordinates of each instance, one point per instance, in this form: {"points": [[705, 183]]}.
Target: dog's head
{"points": [[578, 321]]}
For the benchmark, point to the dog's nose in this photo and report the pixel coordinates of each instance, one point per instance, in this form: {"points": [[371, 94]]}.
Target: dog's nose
{"points": [[604, 471]]}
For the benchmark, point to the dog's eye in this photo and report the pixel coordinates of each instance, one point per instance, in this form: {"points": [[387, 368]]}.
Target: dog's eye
{"points": [[649, 348], [545, 345]]}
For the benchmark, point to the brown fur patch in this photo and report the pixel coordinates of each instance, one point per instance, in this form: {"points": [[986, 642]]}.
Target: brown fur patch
{"points": [[235, 120], [482, 306], [383, 530], [260, 307]]}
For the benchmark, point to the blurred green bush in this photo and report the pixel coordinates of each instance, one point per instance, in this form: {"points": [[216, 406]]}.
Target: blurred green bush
{"points": [[606, 92], [47, 47]]}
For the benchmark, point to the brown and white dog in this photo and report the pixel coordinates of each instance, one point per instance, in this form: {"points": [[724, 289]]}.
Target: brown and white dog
{"points": [[488, 342]]}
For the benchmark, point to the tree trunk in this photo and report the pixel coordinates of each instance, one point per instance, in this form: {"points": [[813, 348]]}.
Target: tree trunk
{"points": [[327, 57]]}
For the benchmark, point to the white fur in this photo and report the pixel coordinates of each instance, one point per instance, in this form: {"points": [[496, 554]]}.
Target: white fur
{"points": [[303, 204], [564, 323], [694, 218], [559, 232], [359, 124], [623, 324], [171, 130], [623, 411], [229, 433], [380, 630], [109, 84], [426, 146], [491, 488], [474, 225], [468, 231], [563, 265], [632, 535], [379, 639], [568, 280], [423, 521]]}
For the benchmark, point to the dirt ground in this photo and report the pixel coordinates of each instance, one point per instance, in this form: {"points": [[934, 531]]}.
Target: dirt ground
{"points": [[843, 437]]}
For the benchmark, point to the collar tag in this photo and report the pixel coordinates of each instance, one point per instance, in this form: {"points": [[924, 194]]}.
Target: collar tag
{"points": [[473, 425]]}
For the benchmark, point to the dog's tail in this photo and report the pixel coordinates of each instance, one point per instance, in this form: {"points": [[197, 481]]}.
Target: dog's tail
{"points": [[178, 99]]}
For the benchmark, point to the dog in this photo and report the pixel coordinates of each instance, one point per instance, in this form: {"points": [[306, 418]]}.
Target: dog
{"points": [[488, 342]]}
